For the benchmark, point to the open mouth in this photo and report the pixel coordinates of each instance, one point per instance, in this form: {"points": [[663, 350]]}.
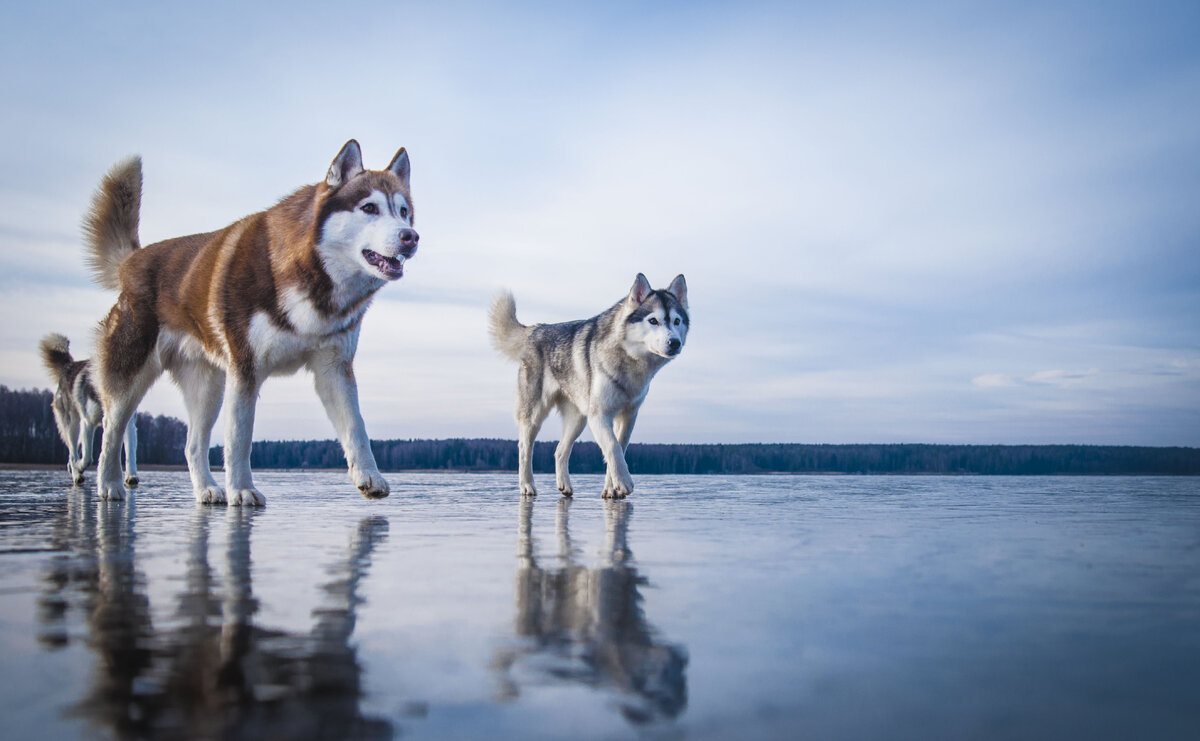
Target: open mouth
{"points": [[391, 267]]}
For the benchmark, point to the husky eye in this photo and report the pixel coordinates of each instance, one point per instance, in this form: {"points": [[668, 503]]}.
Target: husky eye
{"points": [[404, 212], [676, 321], [370, 208], [654, 321]]}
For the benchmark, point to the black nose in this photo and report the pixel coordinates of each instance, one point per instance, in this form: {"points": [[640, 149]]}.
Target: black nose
{"points": [[408, 241], [673, 345]]}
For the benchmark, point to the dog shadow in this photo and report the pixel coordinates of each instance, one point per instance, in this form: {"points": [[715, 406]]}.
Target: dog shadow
{"points": [[585, 625], [209, 671]]}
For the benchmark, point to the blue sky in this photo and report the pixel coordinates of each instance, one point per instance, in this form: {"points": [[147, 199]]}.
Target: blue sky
{"points": [[958, 222]]}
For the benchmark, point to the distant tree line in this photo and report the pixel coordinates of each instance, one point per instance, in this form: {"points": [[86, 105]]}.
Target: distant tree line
{"points": [[501, 455], [28, 435]]}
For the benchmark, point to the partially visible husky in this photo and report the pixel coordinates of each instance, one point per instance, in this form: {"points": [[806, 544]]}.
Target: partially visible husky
{"points": [[595, 371], [281, 289], [77, 409]]}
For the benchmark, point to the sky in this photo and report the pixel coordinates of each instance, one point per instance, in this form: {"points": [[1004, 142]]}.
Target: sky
{"points": [[921, 222]]}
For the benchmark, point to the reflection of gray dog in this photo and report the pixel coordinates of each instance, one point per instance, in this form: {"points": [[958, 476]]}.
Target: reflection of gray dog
{"points": [[595, 371], [77, 409], [588, 625]]}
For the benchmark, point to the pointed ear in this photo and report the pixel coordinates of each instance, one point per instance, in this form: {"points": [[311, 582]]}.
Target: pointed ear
{"points": [[346, 165], [678, 288], [641, 290], [399, 165]]}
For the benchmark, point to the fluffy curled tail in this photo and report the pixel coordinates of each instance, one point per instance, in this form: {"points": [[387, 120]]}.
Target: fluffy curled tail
{"points": [[508, 335], [111, 225], [56, 354]]}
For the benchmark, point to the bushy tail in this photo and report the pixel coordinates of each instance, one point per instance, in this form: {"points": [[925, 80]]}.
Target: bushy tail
{"points": [[508, 335], [56, 354], [111, 225]]}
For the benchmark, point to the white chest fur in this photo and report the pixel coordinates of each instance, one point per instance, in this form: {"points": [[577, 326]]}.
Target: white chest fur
{"points": [[279, 351]]}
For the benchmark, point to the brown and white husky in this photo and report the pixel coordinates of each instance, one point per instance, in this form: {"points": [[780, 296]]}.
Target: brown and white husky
{"points": [[279, 290]]}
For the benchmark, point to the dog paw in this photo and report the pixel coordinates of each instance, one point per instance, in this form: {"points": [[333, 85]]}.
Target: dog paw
{"points": [[210, 495], [131, 481], [527, 490], [566, 490], [617, 490], [77, 478], [112, 491], [246, 498], [372, 484]]}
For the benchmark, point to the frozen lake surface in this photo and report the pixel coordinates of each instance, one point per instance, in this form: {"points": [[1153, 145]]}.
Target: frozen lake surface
{"points": [[699, 608]]}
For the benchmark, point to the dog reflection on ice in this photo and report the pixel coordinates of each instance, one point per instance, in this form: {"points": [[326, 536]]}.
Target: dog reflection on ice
{"points": [[212, 671], [586, 625]]}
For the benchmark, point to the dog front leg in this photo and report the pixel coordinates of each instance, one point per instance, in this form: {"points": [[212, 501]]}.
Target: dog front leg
{"points": [[334, 380], [618, 482], [623, 429], [239, 434]]}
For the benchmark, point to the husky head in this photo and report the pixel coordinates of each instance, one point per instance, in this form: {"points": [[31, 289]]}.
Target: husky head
{"points": [[656, 321], [365, 218]]}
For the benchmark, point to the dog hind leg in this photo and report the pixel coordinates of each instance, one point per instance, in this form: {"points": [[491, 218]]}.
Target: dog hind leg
{"points": [[239, 434], [131, 473], [203, 388], [573, 424], [89, 414], [531, 412], [121, 403], [68, 430]]}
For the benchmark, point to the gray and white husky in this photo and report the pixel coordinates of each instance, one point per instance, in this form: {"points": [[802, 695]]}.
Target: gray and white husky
{"points": [[594, 371], [279, 290], [77, 410]]}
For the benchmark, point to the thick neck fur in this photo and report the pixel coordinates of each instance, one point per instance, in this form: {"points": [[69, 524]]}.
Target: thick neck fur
{"points": [[296, 221], [634, 362]]}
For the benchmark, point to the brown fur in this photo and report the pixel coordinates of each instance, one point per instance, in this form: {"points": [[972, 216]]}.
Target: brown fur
{"points": [[210, 286]]}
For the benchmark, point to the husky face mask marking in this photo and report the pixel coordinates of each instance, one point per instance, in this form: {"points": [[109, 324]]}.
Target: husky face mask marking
{"points": [[659, 320], [368, 220]]}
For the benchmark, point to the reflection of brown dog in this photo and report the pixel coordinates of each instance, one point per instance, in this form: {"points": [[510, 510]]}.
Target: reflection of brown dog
{"points": [[588, 625], [211, 673]]}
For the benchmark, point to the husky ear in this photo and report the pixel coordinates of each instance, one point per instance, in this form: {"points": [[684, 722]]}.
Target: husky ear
{"points": [[399, 165], [641, 290], [346, 165], [678, 289]]}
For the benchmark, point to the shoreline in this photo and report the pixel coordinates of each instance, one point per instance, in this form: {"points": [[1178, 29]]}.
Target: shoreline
{"points": [[216, 469]]}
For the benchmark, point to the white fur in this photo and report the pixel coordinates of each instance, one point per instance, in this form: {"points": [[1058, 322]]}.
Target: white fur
{"points": [[346, 234]]}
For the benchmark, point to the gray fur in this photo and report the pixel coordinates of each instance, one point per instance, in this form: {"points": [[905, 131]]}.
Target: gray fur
{"points": [[77, 409], [595, 371]]}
